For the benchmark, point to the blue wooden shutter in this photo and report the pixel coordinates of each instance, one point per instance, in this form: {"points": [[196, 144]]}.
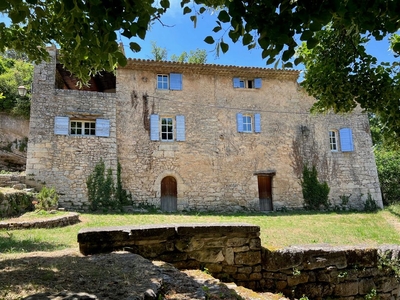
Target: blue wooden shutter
{"points": [[257, 83], [180, 128], [154, 127], [175, 81], [236, 82], [61, 125], [346, 140], [257, 123], [239, 122], [102, 127]]}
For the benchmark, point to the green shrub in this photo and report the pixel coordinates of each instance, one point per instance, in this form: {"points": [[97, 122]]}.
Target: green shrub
{"points": [[388, 165], [315, 193], [370, 204], [47, 199], [101, 189]]}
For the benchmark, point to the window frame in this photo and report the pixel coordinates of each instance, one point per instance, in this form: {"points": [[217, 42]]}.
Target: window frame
{"points": [[164, 81], [167, 132], [244, 83], [247, 123], [333, 140], [89, 130]]}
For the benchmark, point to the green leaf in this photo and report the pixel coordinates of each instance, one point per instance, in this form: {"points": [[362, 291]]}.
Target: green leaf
{"points": [[164, 3], [217, 28], [311, 43], [183, 2], [194, 20], [186, 10], [202, 9], [224, 47], [306, 35], [209, 40], [223, 16], [135, 47], [247, 39]]}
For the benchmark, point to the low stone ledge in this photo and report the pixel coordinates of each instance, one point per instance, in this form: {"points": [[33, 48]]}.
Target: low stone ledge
{"points": [[59, 221]]}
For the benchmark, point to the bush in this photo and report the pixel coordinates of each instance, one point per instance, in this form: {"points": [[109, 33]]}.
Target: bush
{"points": [[101, 189], [47, 199], [388, 165], [315, 193]]}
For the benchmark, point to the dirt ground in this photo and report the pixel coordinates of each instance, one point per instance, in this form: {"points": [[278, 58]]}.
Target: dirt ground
{"points": [[120, 275]]}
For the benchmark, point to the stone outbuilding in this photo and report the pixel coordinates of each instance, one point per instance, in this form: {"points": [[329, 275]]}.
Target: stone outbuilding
{"points": [[195, 137]]}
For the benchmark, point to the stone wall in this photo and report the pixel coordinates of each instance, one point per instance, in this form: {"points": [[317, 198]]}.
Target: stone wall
{"points": [[14, 133], [216, 164], [233, 252], [59, 221], [65, 161]]}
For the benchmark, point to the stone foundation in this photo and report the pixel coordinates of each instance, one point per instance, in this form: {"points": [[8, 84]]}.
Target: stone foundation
{"points": [[233, 252]]}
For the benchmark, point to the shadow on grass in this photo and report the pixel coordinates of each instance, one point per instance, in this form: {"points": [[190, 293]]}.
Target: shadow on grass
{"points": [[111, 276], [8, 244]]}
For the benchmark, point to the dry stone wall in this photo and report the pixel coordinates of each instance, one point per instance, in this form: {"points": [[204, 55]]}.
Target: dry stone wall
{"points": [[65, 161], [233, 252]]}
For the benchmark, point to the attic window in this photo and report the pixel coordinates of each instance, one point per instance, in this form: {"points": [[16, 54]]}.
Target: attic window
{"points": [[246, 83], [104, 82]]}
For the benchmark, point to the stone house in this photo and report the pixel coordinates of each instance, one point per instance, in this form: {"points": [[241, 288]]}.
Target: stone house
{"points": [[195, 137]]}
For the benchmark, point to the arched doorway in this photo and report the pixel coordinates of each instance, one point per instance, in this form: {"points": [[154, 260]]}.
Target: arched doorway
{"points": [[169, 192]]}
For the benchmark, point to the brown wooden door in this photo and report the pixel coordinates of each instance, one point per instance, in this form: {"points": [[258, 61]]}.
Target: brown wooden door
{"points": [[265, 192], [169, 194]]}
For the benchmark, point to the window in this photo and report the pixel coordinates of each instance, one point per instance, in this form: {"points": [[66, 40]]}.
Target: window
{"points": [[162, 82], [333, 140], [247, 83], [171, 81], [82, 128], [248, 123], [167, 128], [344, 136], [65, 126]]}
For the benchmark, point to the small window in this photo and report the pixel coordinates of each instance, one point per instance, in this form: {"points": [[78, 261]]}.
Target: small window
{"points": [[162, 82], [65, 126], [83, 128], [167, 129], [333, 140], [248, 123], [247, 83], [171, 81]]}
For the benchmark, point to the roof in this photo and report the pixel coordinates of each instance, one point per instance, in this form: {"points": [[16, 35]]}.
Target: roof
{"points": [[210, 69]]}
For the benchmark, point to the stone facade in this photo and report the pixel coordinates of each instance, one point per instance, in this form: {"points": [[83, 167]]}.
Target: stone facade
{"points": [[212, 165], [233, 252]]}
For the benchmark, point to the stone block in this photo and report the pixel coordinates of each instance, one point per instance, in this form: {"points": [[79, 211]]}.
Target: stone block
{"points": [[249, 258], [297, 279], [365, 286], [237, 242], [346, 289], [207, 255]]}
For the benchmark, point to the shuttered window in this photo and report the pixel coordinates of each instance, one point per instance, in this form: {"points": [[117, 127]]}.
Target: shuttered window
{"points": [[240, 83], [65, 126], [167, 128], [171, 81], [248, 123]]}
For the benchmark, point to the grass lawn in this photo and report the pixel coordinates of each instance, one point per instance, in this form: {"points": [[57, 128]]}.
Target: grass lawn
{"points": [[278, 229]]}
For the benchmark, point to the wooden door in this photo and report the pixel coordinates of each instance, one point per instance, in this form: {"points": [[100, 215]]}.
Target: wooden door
{"points": [[265, 192], [169, 194]]}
